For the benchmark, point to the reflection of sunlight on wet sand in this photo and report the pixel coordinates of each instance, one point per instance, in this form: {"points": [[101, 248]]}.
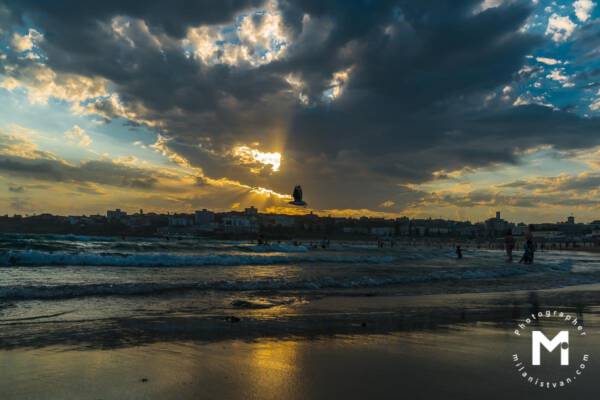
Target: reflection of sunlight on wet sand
{"points": [[272, 368], [440, 363]]}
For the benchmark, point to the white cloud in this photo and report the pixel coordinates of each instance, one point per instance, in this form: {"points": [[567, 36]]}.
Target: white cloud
{"points": [[528, 98], [140, 144], [507, 91], [487, 4], [583, 9], [527, 70], [161, 146], [557, 74], [560, 28], [26, 42], [125, 29], [298, 86], [338, 83], [111, 106], [19, 141], [42, 83], [548, 61], [78, 136], [257, 38], [203, 40]]}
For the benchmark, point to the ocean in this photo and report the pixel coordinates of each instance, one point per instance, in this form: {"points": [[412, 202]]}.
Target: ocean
{"points": [[55, 277], [91, 317]]}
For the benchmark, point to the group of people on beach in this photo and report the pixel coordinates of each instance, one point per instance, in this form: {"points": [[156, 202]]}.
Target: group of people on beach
{"points": [[528, 247], [509, 245], [323, 244]]}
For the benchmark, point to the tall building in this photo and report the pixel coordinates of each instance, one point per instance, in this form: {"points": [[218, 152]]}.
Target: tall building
{"points": [[497, 225]]}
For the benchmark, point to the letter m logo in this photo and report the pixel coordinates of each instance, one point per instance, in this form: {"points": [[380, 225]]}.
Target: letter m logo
{"points": [[538, 339]]}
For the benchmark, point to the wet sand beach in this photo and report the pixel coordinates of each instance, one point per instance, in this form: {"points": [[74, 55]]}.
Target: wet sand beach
{"points": [[421, 347]]}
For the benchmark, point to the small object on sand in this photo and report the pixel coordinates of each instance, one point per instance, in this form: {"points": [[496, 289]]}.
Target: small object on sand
{"points": [[233, 319], [363, 324], [144, 380]]}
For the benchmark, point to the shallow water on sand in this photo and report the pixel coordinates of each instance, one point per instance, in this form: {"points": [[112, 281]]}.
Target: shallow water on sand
{"points": [[466, 361]]}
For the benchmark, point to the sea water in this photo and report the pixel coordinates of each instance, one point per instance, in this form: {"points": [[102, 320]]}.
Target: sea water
{"points": [[50, 278]]}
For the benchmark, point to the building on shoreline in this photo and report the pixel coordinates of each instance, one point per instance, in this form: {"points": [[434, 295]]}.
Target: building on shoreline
{"points": [[251, 222]]}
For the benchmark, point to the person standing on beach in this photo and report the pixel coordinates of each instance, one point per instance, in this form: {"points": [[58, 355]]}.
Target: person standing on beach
{"points": [[458, 251], [529, 247], [509, 245]]}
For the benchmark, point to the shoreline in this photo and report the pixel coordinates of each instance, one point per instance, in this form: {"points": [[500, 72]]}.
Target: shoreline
{"points": [[350, 347], [466, 360], [359, 314]]}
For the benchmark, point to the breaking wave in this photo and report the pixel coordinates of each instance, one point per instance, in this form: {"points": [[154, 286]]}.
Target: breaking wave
{"points": [[43, 258], [49, 292]]}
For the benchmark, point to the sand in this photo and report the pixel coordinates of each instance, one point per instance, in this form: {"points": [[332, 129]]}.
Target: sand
{"points": [[456, 347], [469, 361]]}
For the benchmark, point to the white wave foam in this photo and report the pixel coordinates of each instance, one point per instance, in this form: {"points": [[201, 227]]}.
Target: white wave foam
{"points": [[25, 292], [279, 248], [40, 258]]}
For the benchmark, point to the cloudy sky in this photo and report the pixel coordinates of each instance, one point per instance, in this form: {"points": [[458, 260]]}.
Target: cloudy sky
{"points": [[451, 108]]}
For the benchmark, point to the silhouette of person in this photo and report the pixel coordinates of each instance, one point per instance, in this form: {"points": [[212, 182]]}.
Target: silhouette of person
{"points": [[509, 245], [529, 247]]}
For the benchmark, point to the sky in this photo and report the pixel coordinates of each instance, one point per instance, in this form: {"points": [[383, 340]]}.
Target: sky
{"points": [[430, 108]]}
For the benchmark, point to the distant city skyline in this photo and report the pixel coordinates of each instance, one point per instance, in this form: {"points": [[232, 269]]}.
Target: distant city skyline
{"points": [[253, 225], [232, 104], [299, 212]]}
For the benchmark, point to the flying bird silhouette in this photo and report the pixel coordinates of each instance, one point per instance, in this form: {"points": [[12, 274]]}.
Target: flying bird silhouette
{"points": [[298, 197]]}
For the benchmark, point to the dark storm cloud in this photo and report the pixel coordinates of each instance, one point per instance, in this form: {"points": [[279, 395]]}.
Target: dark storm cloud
{"points": [[486, 198], [582, 183], [172, 16], [100, 172], [587, 41], [517, 184], [490, 199], [414, 102]]}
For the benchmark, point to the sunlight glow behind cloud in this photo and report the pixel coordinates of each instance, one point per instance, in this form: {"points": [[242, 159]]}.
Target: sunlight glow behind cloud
{"points": [[195, 105], [249, 156]]}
